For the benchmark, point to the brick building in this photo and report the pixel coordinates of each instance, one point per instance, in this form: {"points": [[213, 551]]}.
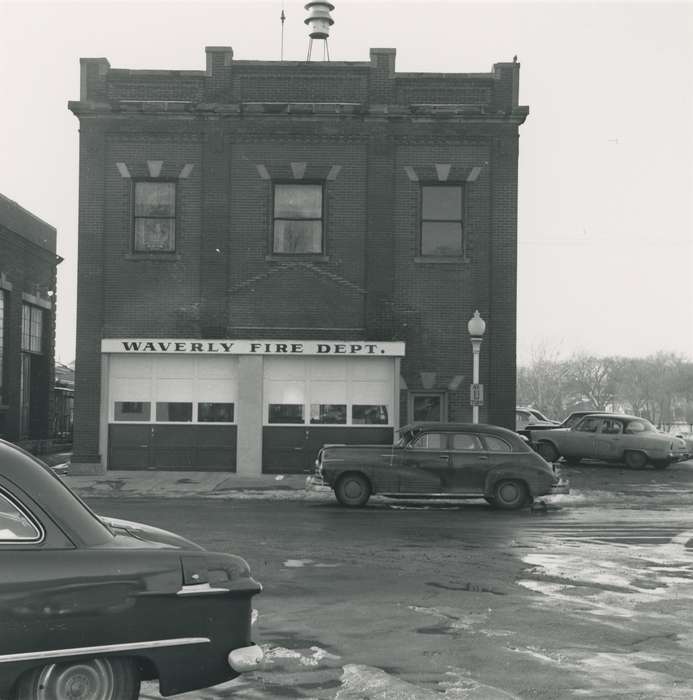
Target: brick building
{"points": [[273, 255], [28, 266]]}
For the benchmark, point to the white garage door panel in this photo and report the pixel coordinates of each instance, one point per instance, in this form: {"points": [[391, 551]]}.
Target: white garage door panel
{"points": [[328, 392], [371, 393], [217, 368], [217, 390], [285, 367], [372, 369], [285, 392], [327, 368], [131, 389], [174, 367], [175, 390], [131, 366]]}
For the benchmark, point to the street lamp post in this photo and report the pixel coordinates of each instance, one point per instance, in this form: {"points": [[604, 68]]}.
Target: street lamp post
{"points": [[476, 328]]}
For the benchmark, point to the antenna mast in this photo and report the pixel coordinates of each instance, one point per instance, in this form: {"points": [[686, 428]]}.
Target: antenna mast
{"points": [[282, 17]]}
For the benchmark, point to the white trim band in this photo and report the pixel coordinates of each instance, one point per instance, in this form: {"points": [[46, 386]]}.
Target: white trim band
{"points": [[103, 648]]}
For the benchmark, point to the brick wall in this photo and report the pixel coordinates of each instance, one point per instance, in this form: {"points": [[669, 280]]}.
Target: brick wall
{"points": [[372, 137], [27, 269]]}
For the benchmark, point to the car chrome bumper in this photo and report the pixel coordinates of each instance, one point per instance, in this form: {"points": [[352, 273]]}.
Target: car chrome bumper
{"points": [[562, 487], [316, 483], [246, 658]]}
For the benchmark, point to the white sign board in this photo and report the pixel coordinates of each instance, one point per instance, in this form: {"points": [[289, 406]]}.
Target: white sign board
{"points": [[179, 346], [476, 394]]}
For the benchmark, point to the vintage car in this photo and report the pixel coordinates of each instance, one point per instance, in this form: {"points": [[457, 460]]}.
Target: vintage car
{"points": [[91, 606], [439, 460], [610, 437], [526, 418]]}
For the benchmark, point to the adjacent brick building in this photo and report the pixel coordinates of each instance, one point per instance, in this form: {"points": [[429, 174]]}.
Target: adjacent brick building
{"points": [[28, 265], [336, 209]]}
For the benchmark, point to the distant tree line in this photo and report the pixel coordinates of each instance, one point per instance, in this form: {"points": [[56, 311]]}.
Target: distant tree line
{"points": [[658, 387]]}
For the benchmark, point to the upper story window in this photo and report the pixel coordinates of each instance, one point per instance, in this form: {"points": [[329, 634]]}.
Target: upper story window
{"points": [[298, 219], [32, 328], [441, 220], [155, 217]]}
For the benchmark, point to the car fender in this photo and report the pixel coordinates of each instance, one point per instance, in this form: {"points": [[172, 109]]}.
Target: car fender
{"points": [[535, 480]]}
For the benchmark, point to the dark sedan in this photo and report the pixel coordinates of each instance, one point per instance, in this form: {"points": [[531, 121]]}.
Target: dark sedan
{"points": [[439, 460], [90, 607]]}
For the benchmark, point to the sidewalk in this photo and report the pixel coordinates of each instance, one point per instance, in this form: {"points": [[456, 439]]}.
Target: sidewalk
{"points": [[188, 484]]}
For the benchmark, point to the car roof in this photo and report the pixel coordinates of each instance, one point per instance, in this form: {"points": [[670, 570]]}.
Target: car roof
{"points": [[40, 483], [622, 416], [452, 427]]}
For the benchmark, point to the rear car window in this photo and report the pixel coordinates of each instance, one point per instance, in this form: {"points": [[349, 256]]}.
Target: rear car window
{"points": [[495, 444], [15, 524]]}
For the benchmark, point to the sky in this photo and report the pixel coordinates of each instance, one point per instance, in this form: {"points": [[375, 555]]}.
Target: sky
{"points": [[605, 213]]}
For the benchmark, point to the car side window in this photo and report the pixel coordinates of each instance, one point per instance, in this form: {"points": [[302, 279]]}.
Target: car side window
{"points": [[635, 427], [465, 441], [495, 444], [15, 524], [588, 425], [611, 427], [431, 441]]}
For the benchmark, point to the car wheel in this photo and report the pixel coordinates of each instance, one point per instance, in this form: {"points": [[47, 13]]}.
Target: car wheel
{"points": [[635, 460], [572, 461], [88, 679], [661, 464], [548, 451], [352, 490], [510, 494]]}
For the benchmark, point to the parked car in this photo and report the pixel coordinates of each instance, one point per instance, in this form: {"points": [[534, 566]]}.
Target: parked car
{"points": [[439, 460], [610, 437], [540, 416], [571, 420], [527, 417], [91, 606]]}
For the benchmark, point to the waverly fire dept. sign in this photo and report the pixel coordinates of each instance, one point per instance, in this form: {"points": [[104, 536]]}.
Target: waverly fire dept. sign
{"points": [[251, 347]]}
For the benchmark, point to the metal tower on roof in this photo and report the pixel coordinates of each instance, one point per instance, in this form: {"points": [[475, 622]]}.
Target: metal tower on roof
{"points": [[319, 23]]}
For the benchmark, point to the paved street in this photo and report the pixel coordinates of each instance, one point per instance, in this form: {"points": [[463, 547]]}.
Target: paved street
{"points": [[589, 599]]}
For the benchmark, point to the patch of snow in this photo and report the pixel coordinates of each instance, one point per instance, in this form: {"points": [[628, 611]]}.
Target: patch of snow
{"points": [[297, 563]]}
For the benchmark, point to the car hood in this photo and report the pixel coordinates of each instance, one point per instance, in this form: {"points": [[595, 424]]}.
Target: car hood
{"points": [[148, 534]]}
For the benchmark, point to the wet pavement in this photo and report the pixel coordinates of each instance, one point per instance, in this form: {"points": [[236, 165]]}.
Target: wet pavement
{"points": [[589, 597]]}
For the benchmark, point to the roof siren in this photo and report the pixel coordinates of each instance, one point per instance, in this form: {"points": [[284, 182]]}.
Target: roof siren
{"points": [[319, 23]]}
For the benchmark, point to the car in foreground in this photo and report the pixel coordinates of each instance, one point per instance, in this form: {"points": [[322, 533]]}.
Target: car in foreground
{"points": [[439, 460], [610, 437], [91, 606]]}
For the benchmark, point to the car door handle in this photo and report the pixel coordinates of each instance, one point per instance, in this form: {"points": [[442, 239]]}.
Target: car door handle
{"points": [[445, 458], [484, 457]]}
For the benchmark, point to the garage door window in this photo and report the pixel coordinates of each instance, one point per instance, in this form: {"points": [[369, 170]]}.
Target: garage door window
{"points": [[173, 412], [327, 413], [15, 524], [286, 413], [215, 412], [368, 414], [131, 411]]}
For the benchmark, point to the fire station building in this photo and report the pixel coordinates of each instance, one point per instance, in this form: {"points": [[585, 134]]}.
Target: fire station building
{"points": [[274, 255]]}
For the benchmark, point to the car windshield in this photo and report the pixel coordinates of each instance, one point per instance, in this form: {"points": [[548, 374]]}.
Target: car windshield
{"points": [[572, 420]]}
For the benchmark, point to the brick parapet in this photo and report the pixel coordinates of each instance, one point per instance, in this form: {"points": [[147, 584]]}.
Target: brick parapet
{"points": [[226, 81]]}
